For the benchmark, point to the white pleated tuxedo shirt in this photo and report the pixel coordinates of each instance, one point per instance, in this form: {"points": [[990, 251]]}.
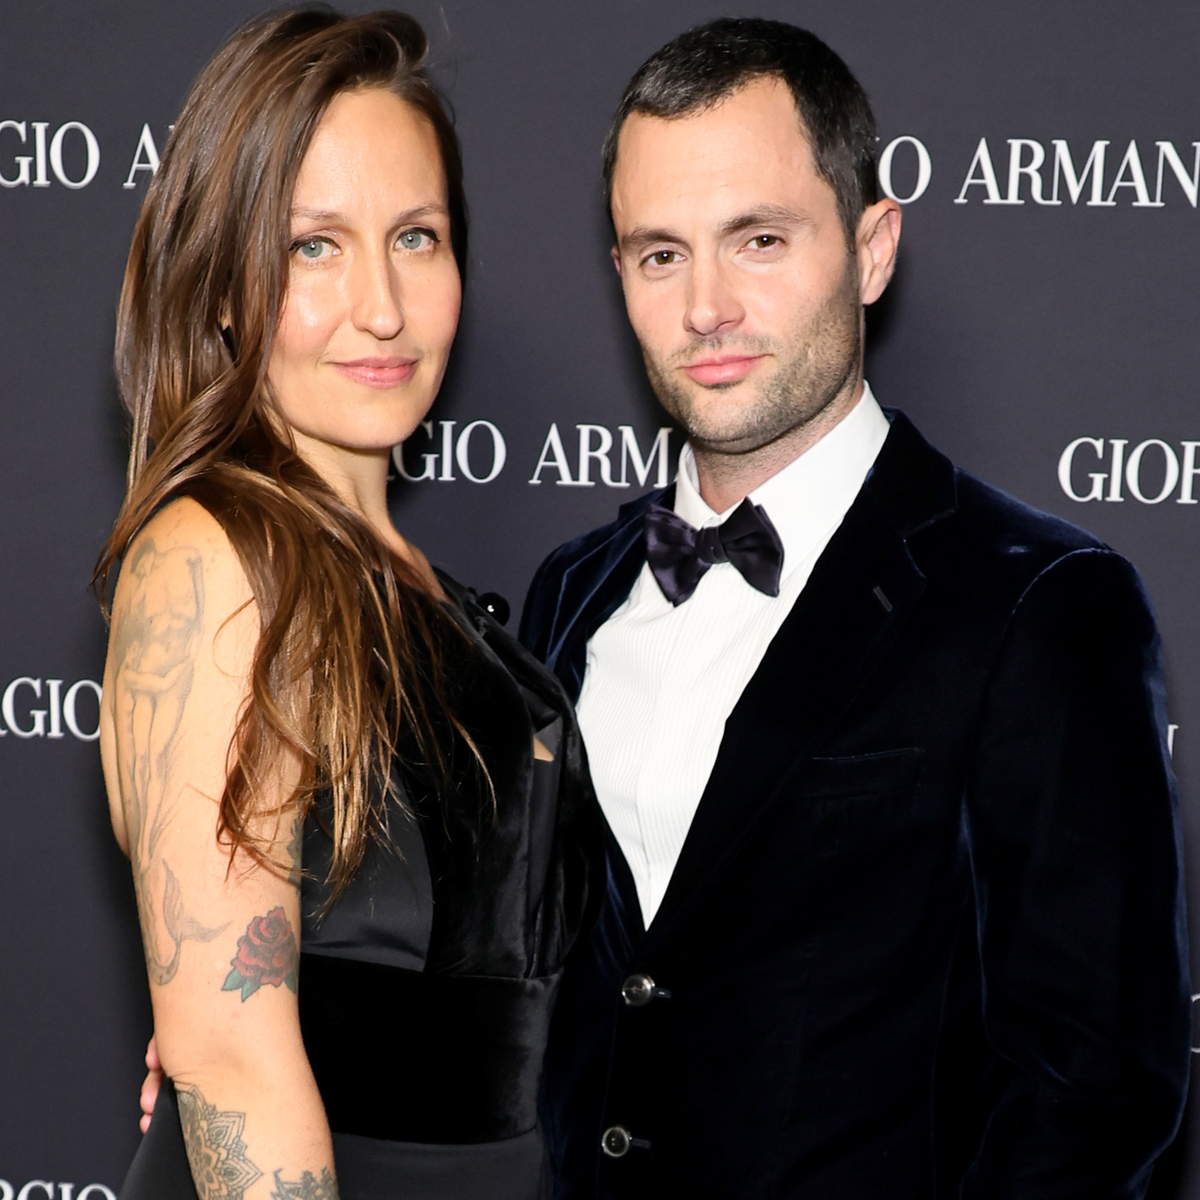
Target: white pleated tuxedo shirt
{"points": [[661, 681]]}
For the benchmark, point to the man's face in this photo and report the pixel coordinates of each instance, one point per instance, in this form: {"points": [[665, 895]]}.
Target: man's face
{"points": [[739, 281]]}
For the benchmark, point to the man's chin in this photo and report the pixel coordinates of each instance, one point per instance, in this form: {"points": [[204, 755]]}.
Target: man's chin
{"points": [[728, 436], [728, 443]]}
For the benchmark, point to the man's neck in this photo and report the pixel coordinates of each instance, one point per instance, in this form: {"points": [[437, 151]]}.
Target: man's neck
{"points": [[727, 479]]}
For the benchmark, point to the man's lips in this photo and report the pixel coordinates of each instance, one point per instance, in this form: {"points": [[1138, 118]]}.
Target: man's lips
{"points": [[378, 372], [722, 368]]}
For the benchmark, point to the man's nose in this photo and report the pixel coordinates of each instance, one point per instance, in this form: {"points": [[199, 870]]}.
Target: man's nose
{"points": [[712, 302], [377, 303]]}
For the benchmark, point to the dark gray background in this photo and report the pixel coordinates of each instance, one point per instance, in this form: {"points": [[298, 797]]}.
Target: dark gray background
{"points": [[1010, 331]]}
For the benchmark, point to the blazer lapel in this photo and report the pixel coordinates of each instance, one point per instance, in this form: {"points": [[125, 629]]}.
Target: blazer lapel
{"points": [[862, 589], [594, 587]]}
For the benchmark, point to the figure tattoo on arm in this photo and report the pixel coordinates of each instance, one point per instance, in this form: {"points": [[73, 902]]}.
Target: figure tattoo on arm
{"points": [[295, 852], [220, 1166], [154, 642]]}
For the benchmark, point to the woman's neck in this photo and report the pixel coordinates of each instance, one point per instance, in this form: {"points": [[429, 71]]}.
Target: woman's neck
{"points": [[359, 478]]}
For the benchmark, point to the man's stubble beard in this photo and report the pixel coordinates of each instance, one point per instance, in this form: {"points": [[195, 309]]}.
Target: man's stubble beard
{"points": [[803, 385]]}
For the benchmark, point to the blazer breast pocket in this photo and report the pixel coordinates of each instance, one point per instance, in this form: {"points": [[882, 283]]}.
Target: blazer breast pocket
{"points": [[874, 829], [886, 773]]}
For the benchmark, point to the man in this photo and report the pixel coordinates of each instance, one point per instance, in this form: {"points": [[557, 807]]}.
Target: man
{"points": [[894, 903]]}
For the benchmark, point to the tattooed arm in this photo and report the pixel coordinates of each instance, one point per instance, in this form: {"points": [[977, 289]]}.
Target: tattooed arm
{"points": [[221, 944]]}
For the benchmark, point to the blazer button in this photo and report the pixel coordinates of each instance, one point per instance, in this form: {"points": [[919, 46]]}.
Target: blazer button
{"points": [[615, 1141], [638, 990]]}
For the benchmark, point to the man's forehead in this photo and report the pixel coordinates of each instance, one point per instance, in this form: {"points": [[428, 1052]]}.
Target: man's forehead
{"points": [[751, 147], [758, 119], [763, 105]]}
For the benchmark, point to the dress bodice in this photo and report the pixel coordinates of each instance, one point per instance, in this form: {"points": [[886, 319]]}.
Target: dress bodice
{"points": [[446, 947]]}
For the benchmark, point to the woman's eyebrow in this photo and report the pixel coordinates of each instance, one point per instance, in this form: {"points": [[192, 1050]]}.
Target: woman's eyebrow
{"points": [[326, 216]]}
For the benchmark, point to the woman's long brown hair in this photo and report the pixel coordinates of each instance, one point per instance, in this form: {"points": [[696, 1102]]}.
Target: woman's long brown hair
{"points": [[349, 651]]}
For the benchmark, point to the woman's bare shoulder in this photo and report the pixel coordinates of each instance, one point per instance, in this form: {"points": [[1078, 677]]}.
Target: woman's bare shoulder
{"points": [[182, 557], [180, 541], [181, 584]]}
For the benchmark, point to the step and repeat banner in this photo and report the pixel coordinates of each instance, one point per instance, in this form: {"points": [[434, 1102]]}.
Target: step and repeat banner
{"points": [[1043, 329]]}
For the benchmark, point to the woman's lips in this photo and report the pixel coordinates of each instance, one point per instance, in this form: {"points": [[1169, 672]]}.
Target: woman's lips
{"points": [[724, 368], [378, 372]]}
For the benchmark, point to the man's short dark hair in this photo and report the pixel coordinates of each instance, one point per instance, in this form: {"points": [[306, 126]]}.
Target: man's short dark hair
{"points": [[706, 64]]}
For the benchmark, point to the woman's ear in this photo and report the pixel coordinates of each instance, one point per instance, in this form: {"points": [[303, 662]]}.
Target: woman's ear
{"points": [[225, 327]]}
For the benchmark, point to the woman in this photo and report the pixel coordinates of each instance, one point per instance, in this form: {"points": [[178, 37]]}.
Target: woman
{"points": [[356, 811]]}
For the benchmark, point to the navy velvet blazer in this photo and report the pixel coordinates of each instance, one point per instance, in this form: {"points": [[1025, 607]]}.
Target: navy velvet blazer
{"points": [[926, 934]]}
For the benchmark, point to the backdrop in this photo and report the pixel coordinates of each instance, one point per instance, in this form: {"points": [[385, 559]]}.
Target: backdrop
{"points": [[1042, 330]]}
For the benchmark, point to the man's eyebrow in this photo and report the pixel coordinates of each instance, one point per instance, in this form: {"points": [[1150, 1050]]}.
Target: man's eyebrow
{"points": [[766, 214], [643, 235]]}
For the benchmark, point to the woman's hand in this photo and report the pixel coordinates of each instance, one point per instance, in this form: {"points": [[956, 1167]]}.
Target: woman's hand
{"points": [[150, 1085]]}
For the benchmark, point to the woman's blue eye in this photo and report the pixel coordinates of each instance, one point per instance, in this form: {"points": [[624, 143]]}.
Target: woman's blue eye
{"points": [[416, 239], [311, 248]]}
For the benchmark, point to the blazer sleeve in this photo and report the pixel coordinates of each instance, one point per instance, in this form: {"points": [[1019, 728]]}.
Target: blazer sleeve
{"points": [[540, 608], [1073, 827]]}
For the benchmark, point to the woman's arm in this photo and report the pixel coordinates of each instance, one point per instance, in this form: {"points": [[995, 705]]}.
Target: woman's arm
{"points": [[221, 940]]}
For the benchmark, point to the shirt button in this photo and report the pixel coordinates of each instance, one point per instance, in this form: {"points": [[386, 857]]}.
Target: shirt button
{"points": [[615, 1141], [638, 990]]}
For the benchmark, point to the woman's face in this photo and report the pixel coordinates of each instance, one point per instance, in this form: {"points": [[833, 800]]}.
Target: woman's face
{"points": [[373, 290]]}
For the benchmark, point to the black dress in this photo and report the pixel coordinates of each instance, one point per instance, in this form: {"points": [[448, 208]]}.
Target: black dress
{"points": [[425, 992]]}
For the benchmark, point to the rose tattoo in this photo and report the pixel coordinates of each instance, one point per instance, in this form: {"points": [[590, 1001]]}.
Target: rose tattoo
{"points": [[266, 953]]}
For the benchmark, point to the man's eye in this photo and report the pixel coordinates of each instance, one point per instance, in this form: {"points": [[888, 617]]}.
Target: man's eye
{"points": [[763, 241], [662, 258]]}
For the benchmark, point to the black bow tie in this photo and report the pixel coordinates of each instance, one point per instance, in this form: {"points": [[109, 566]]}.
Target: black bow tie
{"points": [[679, 553]]}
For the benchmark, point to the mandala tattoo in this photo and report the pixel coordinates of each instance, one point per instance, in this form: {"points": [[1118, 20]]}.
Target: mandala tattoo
{"points": [[309, 1187], [215, 1148]]}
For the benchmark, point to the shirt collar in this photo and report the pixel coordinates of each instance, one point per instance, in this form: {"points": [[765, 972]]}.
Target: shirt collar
{"points": [[808, 499]]}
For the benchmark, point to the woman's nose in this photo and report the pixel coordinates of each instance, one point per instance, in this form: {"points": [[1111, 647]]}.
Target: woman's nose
{"points": [[377, 300]]}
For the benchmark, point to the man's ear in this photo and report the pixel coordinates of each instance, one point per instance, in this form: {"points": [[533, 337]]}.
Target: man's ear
{"points": [[876, 243], [616, 258]]}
